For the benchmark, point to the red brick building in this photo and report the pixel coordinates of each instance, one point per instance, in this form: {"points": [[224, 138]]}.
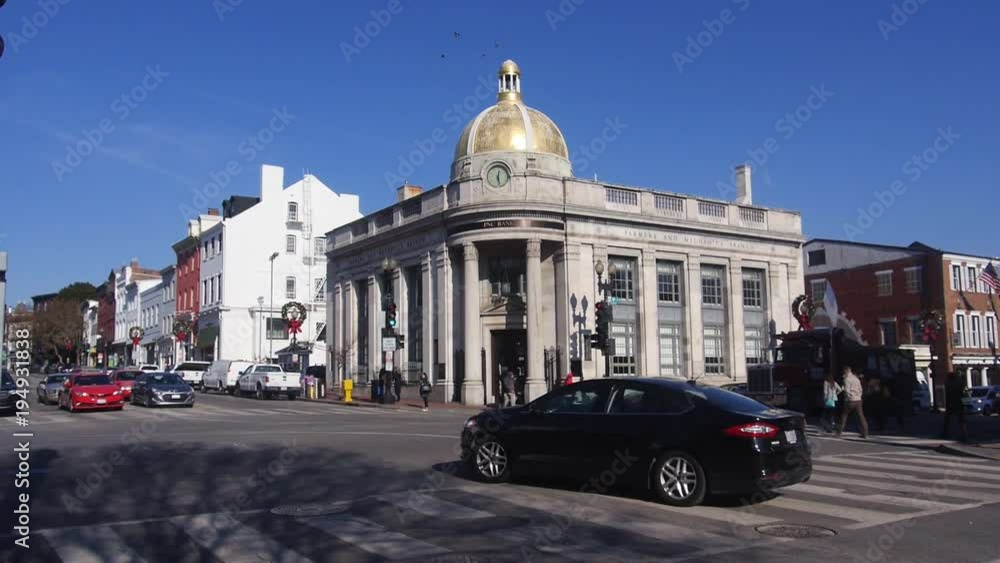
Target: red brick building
{"points": [[883, 291], [188, 276]]}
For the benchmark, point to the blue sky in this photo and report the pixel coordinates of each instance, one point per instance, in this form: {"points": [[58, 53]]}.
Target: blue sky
{"points": [[218, 74]]}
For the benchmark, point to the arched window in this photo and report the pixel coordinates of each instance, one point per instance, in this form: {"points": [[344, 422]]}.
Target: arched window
{"points": [[290, 287], [293, 211]]}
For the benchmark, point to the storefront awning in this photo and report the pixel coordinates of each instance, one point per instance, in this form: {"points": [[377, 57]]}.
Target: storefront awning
{"points": [[207, 336]]}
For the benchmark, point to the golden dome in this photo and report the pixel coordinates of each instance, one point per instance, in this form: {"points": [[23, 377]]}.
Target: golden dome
{"points": [[510, 125]]}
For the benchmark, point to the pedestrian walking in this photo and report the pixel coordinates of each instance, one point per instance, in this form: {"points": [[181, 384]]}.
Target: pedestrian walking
{"points": [[569, 379], [425, 390], [854, 391], [397, 384], [508, 387], [953, 392], [831, 393]]}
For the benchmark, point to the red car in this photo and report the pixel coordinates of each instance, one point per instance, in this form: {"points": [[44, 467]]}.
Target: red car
{"points": [[83, 391], [125, 379]]}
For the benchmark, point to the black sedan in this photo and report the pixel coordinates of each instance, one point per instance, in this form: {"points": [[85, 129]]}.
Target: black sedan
{"points": [[152, 389], [8, 397], [678, 439]]}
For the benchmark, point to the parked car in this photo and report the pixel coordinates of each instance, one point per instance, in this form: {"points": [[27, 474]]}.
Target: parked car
{"points": [[8, 399], [266, 381], [87, 391], [981, 400], [223, 375], [191, 372], [125, 380], [158, 389], [678, 439], [49, 388]]}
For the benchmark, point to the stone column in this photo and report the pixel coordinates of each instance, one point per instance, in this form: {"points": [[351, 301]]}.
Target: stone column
{"points": [[694, 347], [427, 345], [444, 311], [349, 338], [781, 302], [562, 308], [334, 334], [374, 334], [648, 334], [535, 385], [737, 368], [472, 385]]}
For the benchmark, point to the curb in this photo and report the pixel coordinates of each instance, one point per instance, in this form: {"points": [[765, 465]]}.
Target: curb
{"points": [[369, 405], [971, 450]]}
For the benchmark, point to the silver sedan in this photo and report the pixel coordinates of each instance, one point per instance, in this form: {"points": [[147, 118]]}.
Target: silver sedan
{"points": [[49, 388]]}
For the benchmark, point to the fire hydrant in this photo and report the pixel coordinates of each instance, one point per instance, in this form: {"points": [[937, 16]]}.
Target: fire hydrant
{"points": [[348, 387]]}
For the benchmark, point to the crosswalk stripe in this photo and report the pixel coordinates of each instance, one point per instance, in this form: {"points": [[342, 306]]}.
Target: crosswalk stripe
{"points": [[904, 488], [96, 544], [965, 460], [295, 412], [587, 512], [231, 541], [891, 477], [373, 537], [936, 471], [859, 515], [429, 505], [955, 462], [212, 409], [907, 502]]}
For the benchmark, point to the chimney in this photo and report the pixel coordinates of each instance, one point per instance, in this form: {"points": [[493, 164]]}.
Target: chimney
{"points": [[744, 192], [407, 191], [272, 182], [134, 264], [213, 211]]}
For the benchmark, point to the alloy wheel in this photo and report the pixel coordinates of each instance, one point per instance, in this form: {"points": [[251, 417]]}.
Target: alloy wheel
{"points": [[491, 460], [678, 478]]}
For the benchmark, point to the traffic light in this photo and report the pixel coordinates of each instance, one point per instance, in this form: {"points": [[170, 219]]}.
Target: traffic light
{"points": [[602, 320], [390, 316], [401, 341]]}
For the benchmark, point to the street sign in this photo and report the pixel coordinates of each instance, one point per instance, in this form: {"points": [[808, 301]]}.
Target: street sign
{"points": [[389, 344]]}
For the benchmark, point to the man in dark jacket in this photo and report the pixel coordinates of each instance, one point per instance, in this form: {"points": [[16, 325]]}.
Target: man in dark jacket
{"points": [[953, 393]]}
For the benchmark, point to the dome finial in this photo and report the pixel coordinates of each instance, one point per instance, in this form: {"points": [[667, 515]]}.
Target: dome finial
{"points": [[509, 82]]}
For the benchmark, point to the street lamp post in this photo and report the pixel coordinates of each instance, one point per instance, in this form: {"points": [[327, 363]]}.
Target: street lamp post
{"points": [[260, 337], [271, 308], [389, 265], [603, 288]]}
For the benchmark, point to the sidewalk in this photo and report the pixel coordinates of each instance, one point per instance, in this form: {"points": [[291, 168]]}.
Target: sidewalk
{"points": [[410, 405]]}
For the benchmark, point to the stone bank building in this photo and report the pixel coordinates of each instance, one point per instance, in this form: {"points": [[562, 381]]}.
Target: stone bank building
{"points": [[499, 267]]}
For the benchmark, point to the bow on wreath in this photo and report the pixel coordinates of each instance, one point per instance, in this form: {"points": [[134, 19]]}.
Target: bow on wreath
{"points": [[136, 333], [182, 327], [804, 309], [293, 313]]}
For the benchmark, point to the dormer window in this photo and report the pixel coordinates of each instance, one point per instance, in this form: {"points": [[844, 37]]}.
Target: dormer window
{"points": [[293, 211]]}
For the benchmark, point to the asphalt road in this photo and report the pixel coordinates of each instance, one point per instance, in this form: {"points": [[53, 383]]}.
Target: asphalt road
{"points": [[240, 480]]}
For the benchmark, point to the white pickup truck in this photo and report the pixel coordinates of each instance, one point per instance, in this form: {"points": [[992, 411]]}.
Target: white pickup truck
{"points": [[266, 381]]}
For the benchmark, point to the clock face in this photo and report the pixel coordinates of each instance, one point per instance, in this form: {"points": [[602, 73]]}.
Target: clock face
{"points": [[498, 176]]}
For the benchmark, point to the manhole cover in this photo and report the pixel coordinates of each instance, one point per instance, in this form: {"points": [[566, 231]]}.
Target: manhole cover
{"points": [[319, 509], [795, 531]]}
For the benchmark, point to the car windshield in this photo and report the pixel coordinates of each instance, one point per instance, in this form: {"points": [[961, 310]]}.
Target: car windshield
{"points": [[127, 375], [727, 400], [93, 380], [55, 379], [164, 379], [978, 392], [191, 366], [267, 369]]}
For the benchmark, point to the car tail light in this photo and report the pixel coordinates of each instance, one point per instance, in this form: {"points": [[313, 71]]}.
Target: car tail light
{"points": [[753, 430]]}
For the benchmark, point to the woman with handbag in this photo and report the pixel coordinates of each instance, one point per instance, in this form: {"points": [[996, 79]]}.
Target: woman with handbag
{"points": [[831, 391], [425, 389]]}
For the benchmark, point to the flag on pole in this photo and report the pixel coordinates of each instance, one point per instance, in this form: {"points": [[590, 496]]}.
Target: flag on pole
{"points": [[989, 277], [830, 304]]}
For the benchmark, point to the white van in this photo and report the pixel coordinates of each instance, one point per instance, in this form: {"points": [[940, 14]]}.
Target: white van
{"points": [[191, 372], [222, 375]]}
